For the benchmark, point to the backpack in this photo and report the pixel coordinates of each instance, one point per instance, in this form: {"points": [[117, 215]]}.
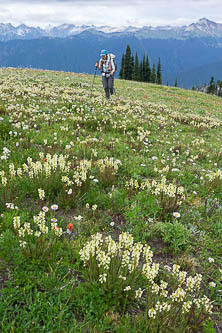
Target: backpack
{"points": [[113, 57]]}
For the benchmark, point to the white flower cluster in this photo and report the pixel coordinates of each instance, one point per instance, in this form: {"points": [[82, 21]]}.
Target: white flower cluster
{"points": [[150, 271], [186, 306], [41, 194], [142, 134], [38, 228], [11, 205], [4, 180], [157, 188], [57, 231], [139, 293], [187, 288], [214, 175], [178, 295], [109, 163], [195, 120], [193, 283], [159, 307], [103, 251], [35, 169], [12, 171], [171, 190], [5, 153]]}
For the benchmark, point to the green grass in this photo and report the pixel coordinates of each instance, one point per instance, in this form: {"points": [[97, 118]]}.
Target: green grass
{"points": [[111, 167]]}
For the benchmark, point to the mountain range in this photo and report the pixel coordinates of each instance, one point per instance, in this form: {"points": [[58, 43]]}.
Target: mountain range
{"points": [[202, 28], [190, 54]]}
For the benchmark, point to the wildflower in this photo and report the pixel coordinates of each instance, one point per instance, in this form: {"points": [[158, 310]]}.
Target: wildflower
{"points": [[16, 222], [176, 214], [41, 194], [186, 307], [69, 228], [139, 293], [22, 244], [69, 191], [127, 288], [78, 218], [154, 158], [152, 313], [178, 295], [45, 159], [53, 219], [112, 224], [194, 192], [102, 278], [211, 260], [95, 180], [54, 207], [94, 207], [45, 209], [212, 284]]}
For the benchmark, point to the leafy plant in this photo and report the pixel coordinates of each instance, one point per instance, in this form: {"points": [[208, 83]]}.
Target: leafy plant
{"points": [[175, 234]]}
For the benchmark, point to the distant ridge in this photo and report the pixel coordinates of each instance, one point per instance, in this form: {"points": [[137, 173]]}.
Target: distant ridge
{"points": [[202, 28]]}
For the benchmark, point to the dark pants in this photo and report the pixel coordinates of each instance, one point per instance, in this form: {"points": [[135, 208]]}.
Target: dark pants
{"points": [[108, 83]]}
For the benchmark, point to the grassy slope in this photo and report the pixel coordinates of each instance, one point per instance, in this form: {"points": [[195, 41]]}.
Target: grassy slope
{"points": [[168, 117]]}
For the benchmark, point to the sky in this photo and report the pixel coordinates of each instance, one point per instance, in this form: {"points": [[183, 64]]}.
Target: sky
{"points": [[113, 13]]}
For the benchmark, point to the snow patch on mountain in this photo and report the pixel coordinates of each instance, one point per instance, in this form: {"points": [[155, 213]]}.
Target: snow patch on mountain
{"points": [[203, 27]]}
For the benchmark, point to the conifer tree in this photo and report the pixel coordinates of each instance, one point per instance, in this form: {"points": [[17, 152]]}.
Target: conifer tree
{"points": [[176, 83], [128, 62], [131, 69], [144, 68], [212, 86], [147, 70], [132, 64], [136, 73], [153, 74], [158, 73], [141, 74]]}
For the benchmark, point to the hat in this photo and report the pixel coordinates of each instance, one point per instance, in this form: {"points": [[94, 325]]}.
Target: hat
{"points": [[103, 53]]}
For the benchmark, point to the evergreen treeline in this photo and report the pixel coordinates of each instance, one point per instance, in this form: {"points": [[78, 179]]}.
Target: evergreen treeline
{"points": [[212, 87], [215, 87], [132, 69]]}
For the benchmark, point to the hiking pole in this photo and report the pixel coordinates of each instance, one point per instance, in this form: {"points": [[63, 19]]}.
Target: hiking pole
{"points": [[93, 79]]}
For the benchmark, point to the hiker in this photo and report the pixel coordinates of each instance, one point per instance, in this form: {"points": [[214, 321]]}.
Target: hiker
{"points": [[108, 68]]}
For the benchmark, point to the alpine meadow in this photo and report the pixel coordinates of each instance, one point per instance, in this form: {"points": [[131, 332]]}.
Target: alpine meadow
{"points": [[110, 211]]}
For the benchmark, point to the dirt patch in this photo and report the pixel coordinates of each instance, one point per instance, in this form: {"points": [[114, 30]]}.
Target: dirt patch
{"points": [[161, 252]]}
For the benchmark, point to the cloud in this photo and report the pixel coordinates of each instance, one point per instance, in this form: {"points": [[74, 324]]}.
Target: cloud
{"points": [[112, 13]]}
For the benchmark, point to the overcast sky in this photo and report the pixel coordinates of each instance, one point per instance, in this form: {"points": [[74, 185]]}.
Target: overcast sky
{"points": [[111, 12]]}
